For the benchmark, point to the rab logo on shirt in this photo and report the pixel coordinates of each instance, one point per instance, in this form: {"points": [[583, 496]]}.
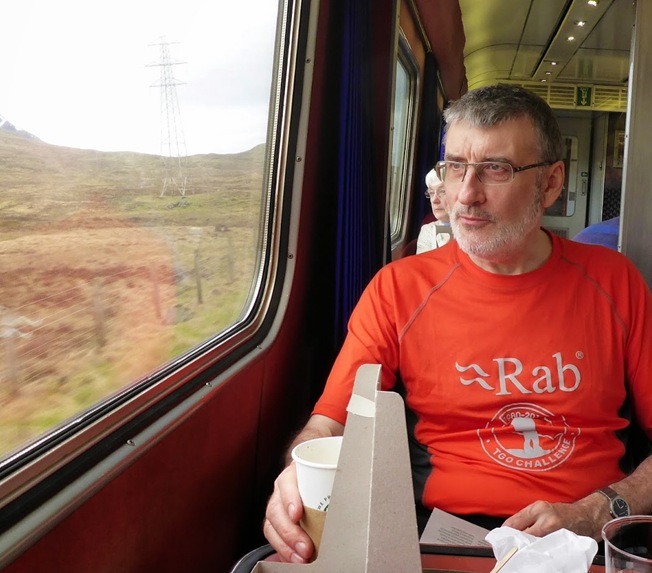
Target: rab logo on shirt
{"points": [[542, 379], [528, 437]]}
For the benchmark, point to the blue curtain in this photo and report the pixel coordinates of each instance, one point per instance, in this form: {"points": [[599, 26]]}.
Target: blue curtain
{"points": [[359, 242]]}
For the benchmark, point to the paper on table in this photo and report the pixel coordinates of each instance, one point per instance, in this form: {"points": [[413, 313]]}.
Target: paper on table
{"points": [[561, 551], [446, 529]]}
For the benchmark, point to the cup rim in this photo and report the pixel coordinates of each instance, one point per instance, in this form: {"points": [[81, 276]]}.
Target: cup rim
{"points": [[308, 463], [614, 523]]}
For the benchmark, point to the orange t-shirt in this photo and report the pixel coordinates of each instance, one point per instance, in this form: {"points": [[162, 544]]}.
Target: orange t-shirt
{"points": [[518, 383]]}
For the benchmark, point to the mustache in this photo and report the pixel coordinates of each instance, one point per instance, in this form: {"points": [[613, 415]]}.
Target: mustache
{"points": [[470, 211]]}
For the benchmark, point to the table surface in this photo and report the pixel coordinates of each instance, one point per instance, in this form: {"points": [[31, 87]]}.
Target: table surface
{"points": [[444, 563], [468, 564]]}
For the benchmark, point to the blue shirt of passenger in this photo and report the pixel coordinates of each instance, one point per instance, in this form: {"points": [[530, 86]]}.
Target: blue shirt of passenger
{"points": [[604, 233]]}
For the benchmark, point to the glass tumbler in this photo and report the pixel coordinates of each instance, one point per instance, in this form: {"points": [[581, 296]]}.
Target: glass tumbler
{"points": [[628, 544]]}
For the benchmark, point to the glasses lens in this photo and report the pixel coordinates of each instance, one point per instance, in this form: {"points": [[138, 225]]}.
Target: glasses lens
{"points": [[440, 170], [494, 172], [488, 172], [453, 171]]}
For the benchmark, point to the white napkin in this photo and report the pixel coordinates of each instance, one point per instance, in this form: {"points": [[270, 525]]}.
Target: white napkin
{"points": [[559, 552]]}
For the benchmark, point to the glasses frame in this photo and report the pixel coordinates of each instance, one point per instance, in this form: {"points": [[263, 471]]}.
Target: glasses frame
{"points": [[442, 165], [440, 193]]}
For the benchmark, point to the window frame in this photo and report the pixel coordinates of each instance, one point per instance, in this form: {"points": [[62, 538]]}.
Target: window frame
{"points": [[37, 472], [400, 183]]}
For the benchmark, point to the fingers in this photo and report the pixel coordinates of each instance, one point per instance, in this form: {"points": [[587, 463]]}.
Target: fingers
{"points": [[284, 510], [541, 518], [300, 552], [538, 518]]}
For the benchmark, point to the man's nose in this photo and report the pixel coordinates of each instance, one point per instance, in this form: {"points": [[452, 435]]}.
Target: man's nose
{"points": [[471, 189]]}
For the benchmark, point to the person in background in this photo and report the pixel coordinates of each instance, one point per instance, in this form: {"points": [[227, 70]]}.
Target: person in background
{"points": [[605, 233], [524, 359], [438, 232]]}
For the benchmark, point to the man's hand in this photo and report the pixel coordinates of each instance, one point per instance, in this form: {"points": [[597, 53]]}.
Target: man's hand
{"points": [[584, 517], [284, 510]]}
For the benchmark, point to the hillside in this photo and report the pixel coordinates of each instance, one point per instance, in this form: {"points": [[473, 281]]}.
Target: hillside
{"points": [[41, 181], [103, 280]]}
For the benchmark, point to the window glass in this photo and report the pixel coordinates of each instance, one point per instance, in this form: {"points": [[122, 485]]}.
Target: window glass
{"points": [[132, 152], [402, 141]]}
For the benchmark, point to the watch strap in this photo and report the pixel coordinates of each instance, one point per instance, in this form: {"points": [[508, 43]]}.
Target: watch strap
{"points": [[608, 492], [612, 495]]}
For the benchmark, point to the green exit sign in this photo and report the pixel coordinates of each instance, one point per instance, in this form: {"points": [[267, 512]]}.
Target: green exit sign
{"points": [[583, 96]]}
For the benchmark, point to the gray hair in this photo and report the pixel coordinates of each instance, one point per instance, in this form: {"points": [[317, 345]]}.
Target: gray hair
{"points": [[491, 105]]}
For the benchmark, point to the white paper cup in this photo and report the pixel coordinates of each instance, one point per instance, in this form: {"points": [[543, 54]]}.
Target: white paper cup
{"points": [[316, 463]]}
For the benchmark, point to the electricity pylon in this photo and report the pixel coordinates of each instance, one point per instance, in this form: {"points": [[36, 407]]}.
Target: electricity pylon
{"points": [[173, 145]]}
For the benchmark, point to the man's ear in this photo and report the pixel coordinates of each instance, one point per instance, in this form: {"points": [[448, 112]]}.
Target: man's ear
{"points": [[553, 184]]}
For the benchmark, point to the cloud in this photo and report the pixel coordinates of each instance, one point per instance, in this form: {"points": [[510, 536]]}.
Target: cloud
{"points": [[83, 75]]}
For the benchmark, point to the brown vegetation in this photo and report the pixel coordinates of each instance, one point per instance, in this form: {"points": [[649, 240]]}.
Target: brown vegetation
{"points": [[103, 280]]}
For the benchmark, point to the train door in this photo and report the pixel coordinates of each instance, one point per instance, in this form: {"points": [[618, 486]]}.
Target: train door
{"points": [[567, 216]]}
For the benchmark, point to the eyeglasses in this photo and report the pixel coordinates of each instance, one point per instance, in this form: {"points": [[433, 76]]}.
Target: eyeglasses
{"points": [[439, 192], [488, 172]]}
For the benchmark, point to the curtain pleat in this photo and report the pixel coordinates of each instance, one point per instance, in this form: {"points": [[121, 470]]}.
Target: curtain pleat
{"points": [[358, 239]]}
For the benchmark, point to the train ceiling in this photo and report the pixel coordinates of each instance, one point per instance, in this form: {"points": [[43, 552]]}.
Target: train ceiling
{"points": [[518, 40]]}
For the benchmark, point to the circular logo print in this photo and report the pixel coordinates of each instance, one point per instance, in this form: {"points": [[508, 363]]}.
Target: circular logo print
{"points": [[528, 437]]}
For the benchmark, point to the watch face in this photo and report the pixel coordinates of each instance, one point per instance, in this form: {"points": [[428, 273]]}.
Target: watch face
{"points": [[619, 507]]}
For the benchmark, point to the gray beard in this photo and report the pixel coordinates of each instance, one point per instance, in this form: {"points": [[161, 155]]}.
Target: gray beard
{"points": [[508, 239]]}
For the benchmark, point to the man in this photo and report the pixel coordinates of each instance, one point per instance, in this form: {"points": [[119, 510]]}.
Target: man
{"points": [[517, 411], [437, 232]]}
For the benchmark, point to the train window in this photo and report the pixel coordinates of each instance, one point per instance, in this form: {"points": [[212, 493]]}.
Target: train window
{"points": [[133, 145], [402, 145]]}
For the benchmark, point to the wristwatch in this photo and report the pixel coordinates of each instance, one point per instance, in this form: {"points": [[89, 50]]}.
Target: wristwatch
{"points": [[618, 507]]}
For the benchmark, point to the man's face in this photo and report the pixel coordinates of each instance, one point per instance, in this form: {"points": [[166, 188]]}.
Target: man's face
{"points": [[496, 222]]}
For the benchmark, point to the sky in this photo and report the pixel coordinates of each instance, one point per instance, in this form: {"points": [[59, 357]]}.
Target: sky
{"points": [[86, 73]]}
